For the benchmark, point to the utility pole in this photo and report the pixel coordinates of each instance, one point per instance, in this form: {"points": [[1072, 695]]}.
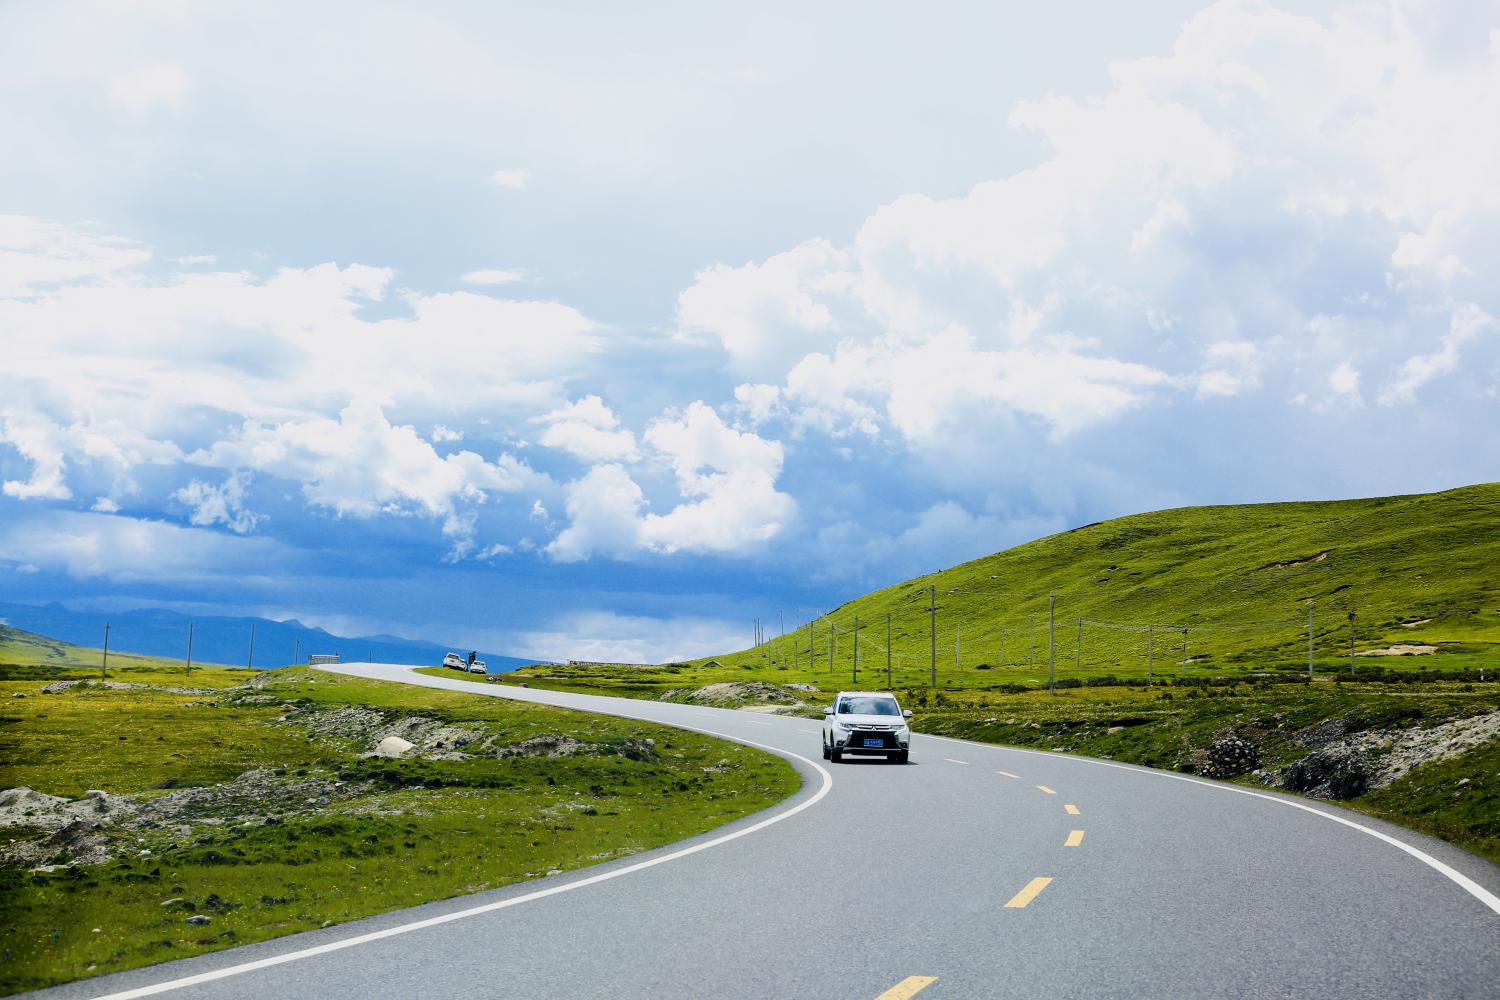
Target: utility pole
{"points": [[190, 647], [832, 642], [1184, 647], [782, 632], [932, 629], [958, 646], [296, 650], [1351, 644], [1031, 644], [888, 650], [854, 671], [1051, 649], [1002, 647], [1309, 640], [250, 662], [104, 663], [1078, 655], [1150, 629]]}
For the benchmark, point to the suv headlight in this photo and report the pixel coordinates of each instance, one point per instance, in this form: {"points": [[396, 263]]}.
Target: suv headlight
{"points": [[839, 727]]}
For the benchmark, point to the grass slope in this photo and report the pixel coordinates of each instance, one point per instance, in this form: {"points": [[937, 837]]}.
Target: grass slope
{"points": [[1418, 571], [27, 655], [415, 830]]}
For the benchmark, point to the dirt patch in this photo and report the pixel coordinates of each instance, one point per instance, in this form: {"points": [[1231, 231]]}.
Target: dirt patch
{"points": [[566, 746], [432, 739], [733, 694], [57, 687], [1300, 562], [1400, 649]]}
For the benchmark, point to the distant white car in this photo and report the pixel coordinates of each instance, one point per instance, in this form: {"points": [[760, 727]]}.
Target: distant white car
{"points": [[477, 667], [454, 661], [867, 723]]}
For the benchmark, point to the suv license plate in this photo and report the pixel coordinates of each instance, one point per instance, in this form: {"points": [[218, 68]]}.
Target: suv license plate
{"points": [[874, 743]]}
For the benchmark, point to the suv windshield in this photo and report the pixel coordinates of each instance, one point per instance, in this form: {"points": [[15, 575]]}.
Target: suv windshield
{"points": [[867, 706]]}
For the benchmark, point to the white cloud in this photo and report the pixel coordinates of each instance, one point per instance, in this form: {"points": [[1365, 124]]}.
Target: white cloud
{"points": [[1468, 320], [298, 383], [494, 276], [105, 505], [768, 314], [194, 259], [222, 504], [726, 478], [127, 550], [514, 177], [1230, 368], [1344, 381], [603, 516], [361, 464], [1185, 234], [588, 429], [36, 254], [142, 90]]}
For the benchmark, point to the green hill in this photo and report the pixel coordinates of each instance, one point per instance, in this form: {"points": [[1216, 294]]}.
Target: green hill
{"points": [[1195, 592], [1234, 583], [26, 656], [1418, 571]]}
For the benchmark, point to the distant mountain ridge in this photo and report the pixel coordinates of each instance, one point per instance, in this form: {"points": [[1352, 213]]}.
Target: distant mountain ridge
{"points": [[218, 639]]}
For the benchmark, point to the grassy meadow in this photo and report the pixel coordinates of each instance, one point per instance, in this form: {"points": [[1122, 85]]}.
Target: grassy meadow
{"points": [[395, 833]]}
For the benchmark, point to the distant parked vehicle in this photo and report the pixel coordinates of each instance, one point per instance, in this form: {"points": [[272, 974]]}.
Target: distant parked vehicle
{"points": [[866, 723], [478, 667], [453, 660]]}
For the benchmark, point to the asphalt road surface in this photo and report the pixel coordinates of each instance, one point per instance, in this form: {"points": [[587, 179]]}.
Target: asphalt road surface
{"points": [[973, 871]]}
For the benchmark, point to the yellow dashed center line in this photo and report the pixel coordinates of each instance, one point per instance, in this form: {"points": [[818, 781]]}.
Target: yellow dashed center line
{"points": [[1071, 809], [908, 987], [952, 761], [1007, 774], [1046, 789], [1026, 895], [1074, 839]]}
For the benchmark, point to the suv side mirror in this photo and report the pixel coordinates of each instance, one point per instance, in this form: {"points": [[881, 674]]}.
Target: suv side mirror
{"points": [[828, 710], [906, 714]]}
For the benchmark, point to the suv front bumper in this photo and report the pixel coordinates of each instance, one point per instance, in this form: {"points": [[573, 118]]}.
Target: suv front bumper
{"points": [[856, 742]]}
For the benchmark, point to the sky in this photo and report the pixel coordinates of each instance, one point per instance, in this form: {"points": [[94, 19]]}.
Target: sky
{"points": [[597, 331]]}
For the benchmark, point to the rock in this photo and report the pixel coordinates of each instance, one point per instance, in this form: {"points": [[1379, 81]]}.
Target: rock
{"points": [[199, 919], [96, 793], [1115, 729], [1331, 773], [806, 688], [19, 694], [174, 901], [1229, 757], [392, 746]]}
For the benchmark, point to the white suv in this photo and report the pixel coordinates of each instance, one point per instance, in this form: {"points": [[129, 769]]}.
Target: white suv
{"points": [[869, 723]]}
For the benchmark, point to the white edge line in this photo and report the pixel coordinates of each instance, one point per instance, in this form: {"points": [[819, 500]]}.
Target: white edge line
{"points": [[1463, 881], [332, 946]]}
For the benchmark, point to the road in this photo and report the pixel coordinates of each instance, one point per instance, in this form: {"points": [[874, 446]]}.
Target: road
{"points": [[973, 871]]}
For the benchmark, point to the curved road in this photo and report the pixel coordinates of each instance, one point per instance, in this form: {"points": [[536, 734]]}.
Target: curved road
{"points": [[879, 880]]}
